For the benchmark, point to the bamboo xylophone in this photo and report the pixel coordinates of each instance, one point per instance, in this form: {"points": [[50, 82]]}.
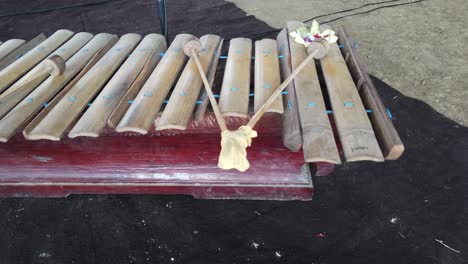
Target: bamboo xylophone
{"points": [[137, 85]]}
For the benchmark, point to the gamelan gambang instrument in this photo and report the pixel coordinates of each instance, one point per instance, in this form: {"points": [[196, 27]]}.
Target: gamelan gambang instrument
{"points": [[132, 114]]}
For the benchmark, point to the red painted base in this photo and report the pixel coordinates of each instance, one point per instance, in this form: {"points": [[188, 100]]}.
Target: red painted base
{"points": [[166, 163]]}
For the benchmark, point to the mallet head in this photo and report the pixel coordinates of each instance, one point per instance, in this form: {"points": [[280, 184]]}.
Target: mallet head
{"points": [[54, 65], [192, 45], [320, 46]]}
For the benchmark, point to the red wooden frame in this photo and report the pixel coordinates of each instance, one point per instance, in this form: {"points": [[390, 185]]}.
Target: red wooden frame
{"points": [[164, 162]]}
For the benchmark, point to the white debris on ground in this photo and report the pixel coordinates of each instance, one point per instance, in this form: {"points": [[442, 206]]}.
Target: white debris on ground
{"points": [[255, 245]]}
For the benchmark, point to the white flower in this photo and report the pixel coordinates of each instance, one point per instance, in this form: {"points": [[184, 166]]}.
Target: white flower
{"points": [[329, 35], [303, 36]]}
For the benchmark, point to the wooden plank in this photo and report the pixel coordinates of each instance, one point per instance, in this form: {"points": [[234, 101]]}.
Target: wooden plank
{"points": [[132, 92], [387, 136], [317, 135], [291, 129], [22, 65], [200, 109], [17, 91], [95, 118], [234, 98], [10, 46], [145, 108], [39, 117], [19, 52], [267, 75], [354, 128], [179, 109], [26, 109], [77, 98]]}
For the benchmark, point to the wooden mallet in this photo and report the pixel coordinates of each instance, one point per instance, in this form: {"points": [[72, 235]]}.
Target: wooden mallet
{"points": [[234, 143], [54, 65]]}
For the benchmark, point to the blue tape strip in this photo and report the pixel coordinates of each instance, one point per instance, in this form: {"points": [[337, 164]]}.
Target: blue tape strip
{"points": [[130, 101], [290, 104], [389, 113]]}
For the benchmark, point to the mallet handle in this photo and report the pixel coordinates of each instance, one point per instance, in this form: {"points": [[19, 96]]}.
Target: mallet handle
{"points": [[209, 92], [253, 121]]}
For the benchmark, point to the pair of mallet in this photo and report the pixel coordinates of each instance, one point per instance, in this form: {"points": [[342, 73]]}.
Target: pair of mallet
{"points": [[234, 143]]}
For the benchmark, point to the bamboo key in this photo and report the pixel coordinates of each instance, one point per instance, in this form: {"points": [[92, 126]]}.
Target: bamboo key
{"points": [[9, 46], [234, 143]]}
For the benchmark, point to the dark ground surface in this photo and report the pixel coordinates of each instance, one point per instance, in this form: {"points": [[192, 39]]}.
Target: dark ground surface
{"points": [[391, 212]]}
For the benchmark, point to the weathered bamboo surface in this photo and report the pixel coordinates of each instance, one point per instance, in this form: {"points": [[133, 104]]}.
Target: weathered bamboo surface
{"points": [[179, 109], [68, 109], [111, 40], [316, 127], [35, 100], [136, 86], [145, 107], [386, 134], [22, 65], [17, 91], [9, 46], [234, 98], [291, 127], [267, 75], [94, 120], [20, 51], [354, 128]]}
